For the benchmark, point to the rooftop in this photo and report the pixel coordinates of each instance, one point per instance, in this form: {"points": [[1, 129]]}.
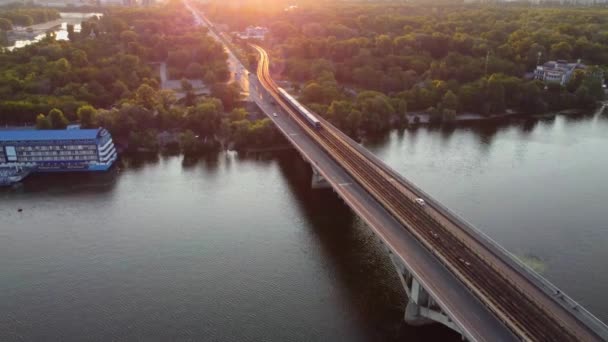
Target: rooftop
{"points": [[50, 134]]}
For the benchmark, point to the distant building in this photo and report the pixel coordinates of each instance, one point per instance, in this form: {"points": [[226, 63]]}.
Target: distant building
{"points": [[254, 32], [559, 71]]}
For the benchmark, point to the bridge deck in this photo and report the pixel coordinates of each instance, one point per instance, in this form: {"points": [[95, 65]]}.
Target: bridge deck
{"points": [[464, 308], [439, 278]]}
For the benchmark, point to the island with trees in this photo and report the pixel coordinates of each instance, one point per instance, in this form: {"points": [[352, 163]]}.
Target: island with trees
{"points": [[370, 67], [107, 75]]}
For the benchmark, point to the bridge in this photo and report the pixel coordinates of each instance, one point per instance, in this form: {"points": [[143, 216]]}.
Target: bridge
{"points": [[452, 273]]}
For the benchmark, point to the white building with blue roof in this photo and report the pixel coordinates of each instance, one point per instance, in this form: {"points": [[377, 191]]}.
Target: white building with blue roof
{"points": [[57, 150]]}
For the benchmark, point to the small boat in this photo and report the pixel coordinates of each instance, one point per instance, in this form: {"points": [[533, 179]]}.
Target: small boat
{"points": [[10, 175]]}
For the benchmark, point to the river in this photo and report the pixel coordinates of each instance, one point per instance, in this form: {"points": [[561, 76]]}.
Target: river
{"points": [[232, 248]]}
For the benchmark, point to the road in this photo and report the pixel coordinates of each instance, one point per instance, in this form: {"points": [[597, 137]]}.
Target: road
{"points": [[238, 73]]}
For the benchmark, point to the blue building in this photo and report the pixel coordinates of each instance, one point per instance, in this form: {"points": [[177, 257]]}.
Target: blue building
{"points": [[57, 150]]}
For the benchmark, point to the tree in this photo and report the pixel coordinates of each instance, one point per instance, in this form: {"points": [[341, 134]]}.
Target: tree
{"points": [[205, 117], [79, 58], [561, 50], [495, 95], [186, 85], [42, 122], [5, 24], [576, 80], [57, 119], [401, 109], [189, 143], [146, 96], [282, 30], [312, 93], [23, 20], [71, 33], [119, 89], [449, 101], [144, 140], [229, 94], [338, 113], [376, 110], [86, 28], [384, 44], [238, 114], [190, 98], [128, 37], [166, 100], [449, 116], [354, 120], [3, 38], [583, 97], [62, 65], [87, 116], [593, 81]]}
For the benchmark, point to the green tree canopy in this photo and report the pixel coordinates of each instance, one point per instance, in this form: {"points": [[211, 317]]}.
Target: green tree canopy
{"points": [[450, 101], [57, 119], [5, 24], [87, 116], [42, 122]]}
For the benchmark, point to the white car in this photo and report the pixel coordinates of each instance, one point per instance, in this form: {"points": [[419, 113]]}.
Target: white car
{"points": [[420, 201], [274, 114]]}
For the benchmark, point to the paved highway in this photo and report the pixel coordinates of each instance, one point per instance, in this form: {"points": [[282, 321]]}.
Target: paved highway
{"points": [[238, 73]]}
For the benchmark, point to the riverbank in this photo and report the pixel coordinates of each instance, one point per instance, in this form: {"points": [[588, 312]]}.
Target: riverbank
{"points": [[425, 118]]}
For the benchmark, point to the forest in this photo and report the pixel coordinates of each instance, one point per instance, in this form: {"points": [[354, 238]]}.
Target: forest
{"points": [[107, 75], [367, 67]]}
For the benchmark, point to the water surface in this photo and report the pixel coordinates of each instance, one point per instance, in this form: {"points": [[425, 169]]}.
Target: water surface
{"points": [[233, 248]]}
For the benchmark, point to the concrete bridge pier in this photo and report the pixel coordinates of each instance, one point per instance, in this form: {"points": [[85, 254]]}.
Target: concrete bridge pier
{"points": [[318, 182], [421, 308]]}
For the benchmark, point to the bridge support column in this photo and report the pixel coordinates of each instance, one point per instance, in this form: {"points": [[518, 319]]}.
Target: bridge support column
{"points": [[421, 308], [318, 182]]}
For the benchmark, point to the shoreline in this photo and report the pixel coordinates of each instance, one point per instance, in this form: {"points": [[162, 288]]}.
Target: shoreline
{"points": [[425, 118]]}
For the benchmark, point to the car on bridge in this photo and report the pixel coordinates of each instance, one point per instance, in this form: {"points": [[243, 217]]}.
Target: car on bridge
{"points": [[420, 201]]}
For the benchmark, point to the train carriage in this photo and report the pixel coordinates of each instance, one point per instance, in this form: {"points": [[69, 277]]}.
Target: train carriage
{"points": [[305, 113]]}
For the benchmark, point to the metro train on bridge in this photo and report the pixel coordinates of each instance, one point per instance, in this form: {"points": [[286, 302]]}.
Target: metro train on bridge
{"points": [[305, 113]]}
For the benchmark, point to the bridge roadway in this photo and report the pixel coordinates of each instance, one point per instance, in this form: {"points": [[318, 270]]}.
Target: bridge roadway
{"points": [[475, 315], [468, 312], [517, 300]]}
